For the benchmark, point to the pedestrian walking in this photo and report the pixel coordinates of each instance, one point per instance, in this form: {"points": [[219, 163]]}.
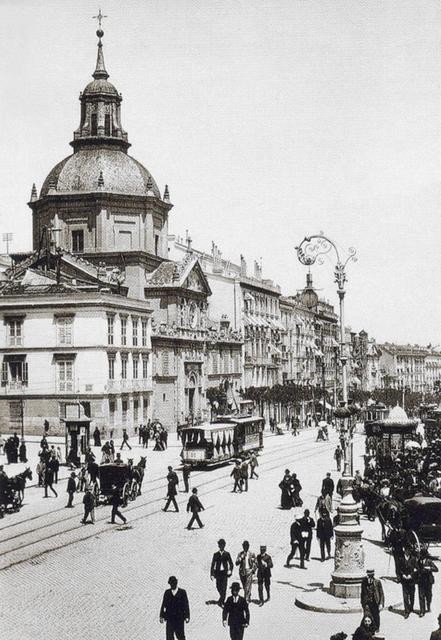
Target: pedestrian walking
{"points": [[89, 506], [236, 474], [236, 613], [97, 437], [220, 570], [244, 475], [70, 490], [140, 434], [307, 525], [115, 501], [408, 575], [22, 453], [253, 464], [172, 480], [145, 436], [286, 488], [195, 506], [426, 569], [324, 503], [175, 610], [49, 481], [338, 454], [247, 563], [186, 470], [436, 635], [54, 465], [297, 542], [325, 532], [328, 485], [125, 439], [264, 566], [372, 597]]}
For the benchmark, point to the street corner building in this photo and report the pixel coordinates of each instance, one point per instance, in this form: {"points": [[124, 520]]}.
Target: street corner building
{"points": [[97, 314]]}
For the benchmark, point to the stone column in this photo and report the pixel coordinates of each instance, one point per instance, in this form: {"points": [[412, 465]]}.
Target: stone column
{"points": [[349, 554]]}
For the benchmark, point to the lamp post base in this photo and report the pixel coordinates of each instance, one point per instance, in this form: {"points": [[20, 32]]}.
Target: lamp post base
{"points": [[349, 555]]}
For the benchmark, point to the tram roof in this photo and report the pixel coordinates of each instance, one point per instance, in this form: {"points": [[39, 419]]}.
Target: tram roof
{"points": [[217, 426]]}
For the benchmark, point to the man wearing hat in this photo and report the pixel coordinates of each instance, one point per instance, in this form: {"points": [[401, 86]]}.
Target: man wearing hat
{"points": [[175, 610], [221, 569], [236, 613], [372, 597], [264, 566]]}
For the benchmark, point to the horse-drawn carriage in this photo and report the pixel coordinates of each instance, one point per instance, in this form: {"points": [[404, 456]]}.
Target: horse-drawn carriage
{"points": [[125, 477], [12, 491]]}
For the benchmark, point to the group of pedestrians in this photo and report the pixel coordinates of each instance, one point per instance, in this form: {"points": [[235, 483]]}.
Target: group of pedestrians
{"points": [[243, 471], [154, 432], [290, 491], [13, 449]]}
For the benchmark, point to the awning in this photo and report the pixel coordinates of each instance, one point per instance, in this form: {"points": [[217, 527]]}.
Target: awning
{"points": [[279, 325]]}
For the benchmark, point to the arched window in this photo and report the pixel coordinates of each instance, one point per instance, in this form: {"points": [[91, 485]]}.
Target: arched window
{"points": [[107, 125]]}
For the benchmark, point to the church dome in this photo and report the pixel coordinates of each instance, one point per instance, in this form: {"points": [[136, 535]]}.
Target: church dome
{"points": [[100, 86], [100, 168]]}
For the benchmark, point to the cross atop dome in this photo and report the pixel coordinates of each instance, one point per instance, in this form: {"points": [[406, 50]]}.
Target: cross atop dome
{"points": [[100, 70]]}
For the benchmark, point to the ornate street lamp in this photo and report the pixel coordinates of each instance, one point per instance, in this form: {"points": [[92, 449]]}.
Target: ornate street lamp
{"points": [[349, 555]]}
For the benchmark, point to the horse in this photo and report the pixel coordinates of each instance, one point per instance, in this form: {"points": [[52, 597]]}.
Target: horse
{"points": [[138, 472], [390, 513], [18, 482]]}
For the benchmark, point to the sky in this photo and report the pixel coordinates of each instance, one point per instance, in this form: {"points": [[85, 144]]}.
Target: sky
{"points": [[268, 119]]}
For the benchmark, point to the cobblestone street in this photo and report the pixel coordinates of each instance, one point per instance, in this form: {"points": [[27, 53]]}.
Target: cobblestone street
{"points": [[116, 576]]}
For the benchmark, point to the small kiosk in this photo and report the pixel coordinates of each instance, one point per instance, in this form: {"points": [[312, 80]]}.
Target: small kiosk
{"points": [[392, 435], [77, 433]]}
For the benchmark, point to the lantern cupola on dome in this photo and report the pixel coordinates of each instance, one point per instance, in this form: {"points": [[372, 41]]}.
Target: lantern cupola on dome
{"points": [[100, 122]]}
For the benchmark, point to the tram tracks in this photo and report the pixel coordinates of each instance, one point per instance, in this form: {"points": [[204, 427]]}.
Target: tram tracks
{"points": [[272, 461]]}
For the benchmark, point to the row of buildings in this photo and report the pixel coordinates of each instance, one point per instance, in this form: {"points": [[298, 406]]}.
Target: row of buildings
{"points": [[111, 312]]}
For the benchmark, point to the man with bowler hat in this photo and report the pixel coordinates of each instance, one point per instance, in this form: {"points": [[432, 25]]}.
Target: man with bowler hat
{"points": [[236, 613], [372, 597], [175, 610], [221, 569]]}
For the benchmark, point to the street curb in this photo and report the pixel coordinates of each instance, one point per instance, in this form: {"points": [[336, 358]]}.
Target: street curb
{"points": [[322, 602]]}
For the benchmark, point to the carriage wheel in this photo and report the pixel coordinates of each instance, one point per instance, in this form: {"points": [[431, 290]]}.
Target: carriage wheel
{"points": [[16, 502], [125, 494], [134, 490]]}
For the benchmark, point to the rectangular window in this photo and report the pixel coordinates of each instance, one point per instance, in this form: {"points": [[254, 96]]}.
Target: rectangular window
{"points": [[124, 366], [135, 360], [64, 330], [135, 411], [214, 362], [124, 407], [156, 244], [135, 332], [15, 373], [110, 329], [165, 363], [94, 125], [123, 331], [65, 375], [15, 332], [111, 368], [145, 367], [112, 410], [107, 124], [145, 408], [77, 241], [144, 332]]}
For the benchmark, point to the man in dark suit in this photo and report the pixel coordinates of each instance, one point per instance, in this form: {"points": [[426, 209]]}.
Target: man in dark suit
{"points": [[408, 576], [264, 566], [175, 611], [327, 485], [172, 480], [372, 596], [221, 569], [236, 613]]}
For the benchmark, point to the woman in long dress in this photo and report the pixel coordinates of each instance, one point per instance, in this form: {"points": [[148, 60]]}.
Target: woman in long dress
{"points": [[286, 487]]}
